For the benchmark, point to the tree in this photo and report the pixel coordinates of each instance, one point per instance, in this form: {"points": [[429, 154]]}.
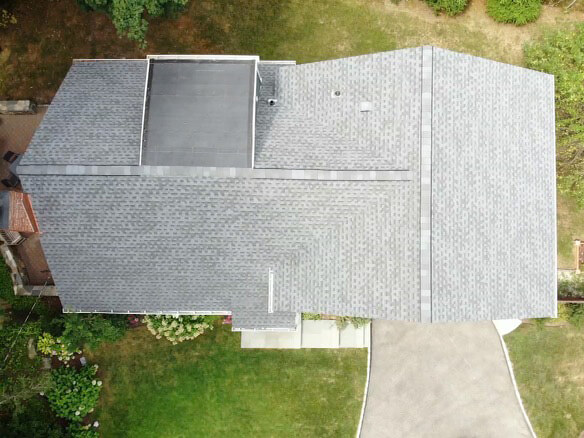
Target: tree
{"points": [[128, 15]]}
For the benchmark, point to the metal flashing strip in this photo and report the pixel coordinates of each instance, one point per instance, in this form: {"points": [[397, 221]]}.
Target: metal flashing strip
{"points": [[426, 187], [270, 291], [278, 62], [218, 172], [254, 102], [144, 109], [204, 57]]}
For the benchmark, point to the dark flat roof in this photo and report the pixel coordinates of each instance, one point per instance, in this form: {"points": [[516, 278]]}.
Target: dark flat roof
{"points": [[199, 112]]}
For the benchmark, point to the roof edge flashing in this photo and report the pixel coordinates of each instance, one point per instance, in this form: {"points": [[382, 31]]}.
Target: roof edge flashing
{"points": [[204, 57]]}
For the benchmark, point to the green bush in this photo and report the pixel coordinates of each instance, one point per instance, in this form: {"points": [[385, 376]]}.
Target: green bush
{"points": [[178, 328], [571, 287], [574, 313], [76, 430], [518, 12], [561, 53], [128, 15], [344, 321], [74, 394], [91, 330], [449, 7], [35, 419], [312, 316], [20, 306]]}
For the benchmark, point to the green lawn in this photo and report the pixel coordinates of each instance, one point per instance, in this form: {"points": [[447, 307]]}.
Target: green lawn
{"points": [[37, 51], [549, 367], [210, 387], [570, 227]]}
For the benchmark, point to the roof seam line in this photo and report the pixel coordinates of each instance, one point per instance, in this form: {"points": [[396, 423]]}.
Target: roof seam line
{"points": [[218, 172]]}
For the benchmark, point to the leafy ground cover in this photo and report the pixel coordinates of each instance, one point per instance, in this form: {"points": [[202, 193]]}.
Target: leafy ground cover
{"points": [[211, 387], [548, 361]]}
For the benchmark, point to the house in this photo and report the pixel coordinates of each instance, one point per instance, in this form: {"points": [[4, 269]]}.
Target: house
{"points": [[417, 185]]}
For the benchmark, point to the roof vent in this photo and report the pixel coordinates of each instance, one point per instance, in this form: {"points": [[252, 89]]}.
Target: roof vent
{"points": [[272, 102], [336, 93], [366, 107]]}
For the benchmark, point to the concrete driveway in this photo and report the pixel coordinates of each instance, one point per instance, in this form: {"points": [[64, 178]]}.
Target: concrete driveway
{"points": [[440, 380]]}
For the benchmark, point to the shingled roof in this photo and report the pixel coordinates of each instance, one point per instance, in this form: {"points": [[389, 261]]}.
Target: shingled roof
{"points": [[417, 184]]}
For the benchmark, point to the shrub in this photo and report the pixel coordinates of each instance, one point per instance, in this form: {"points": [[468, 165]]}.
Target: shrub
{"points": [[571, 287], [6, 18], [20, 376], [178, 328], [128, 15], [50, 346], [74, 394], [574, 313], [562, 54], [312, 316], [35, 419], [76, 430], [344, 321], [20, 305], [518, 12], [91, 329], [450, 7]]}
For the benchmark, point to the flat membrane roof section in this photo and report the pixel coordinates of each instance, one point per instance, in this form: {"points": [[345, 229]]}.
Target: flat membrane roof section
{"points": [[199, 113]]}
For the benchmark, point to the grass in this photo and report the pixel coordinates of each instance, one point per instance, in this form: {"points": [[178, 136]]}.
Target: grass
{"points": [[570, 227], [37, 51], [211, 387], [549, 367]]}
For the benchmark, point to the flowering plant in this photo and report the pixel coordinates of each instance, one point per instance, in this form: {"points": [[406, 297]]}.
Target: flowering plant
{"points": [[133, 320], [177, 328], [51, 346], [74, 394], [77, 430]]}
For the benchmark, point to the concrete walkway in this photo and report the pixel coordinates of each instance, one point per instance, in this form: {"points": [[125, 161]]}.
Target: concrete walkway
{"points": [[440, 380], [311, 334]]}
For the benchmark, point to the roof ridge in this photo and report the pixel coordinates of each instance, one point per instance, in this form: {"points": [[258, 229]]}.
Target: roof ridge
{"points": [[427, 63]]}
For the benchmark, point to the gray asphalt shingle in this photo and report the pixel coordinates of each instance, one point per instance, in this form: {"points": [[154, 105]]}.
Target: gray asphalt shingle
{"points": [[474, 137], [95, 118]]}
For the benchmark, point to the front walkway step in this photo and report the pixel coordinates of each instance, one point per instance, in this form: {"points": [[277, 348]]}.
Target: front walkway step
{"points": [[320, 334], [268, 339]]}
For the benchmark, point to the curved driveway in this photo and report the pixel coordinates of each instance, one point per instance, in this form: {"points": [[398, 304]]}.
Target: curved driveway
{"points": [[440, 380]]}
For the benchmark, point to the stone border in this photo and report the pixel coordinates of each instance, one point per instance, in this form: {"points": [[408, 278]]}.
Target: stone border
{"points": [[218, 172], [426, 187]]}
